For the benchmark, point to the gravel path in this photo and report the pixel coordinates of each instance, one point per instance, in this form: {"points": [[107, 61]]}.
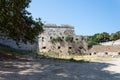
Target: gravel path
{"points": [[46, 69]]}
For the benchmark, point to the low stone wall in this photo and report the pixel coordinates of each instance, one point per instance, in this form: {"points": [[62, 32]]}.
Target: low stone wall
{"points": [[11, 43], [105, 53], [101, 50]]}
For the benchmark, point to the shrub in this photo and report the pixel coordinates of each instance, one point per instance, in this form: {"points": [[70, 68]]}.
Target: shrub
{"points": [[68, 38], [57, 39]]}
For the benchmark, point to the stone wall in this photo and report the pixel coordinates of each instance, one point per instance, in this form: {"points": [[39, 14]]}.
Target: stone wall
{"points": [[11, 43], [44, 44], [77, 45], [105, 50]]}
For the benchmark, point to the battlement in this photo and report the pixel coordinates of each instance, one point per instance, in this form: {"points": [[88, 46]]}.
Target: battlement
{"points": [[56, 26]]}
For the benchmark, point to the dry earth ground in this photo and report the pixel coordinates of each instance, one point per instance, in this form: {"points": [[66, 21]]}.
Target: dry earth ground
{"points": [[50, 69]]}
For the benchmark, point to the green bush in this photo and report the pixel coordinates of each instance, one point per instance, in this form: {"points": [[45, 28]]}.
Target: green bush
{"points": [[57, 39], [68, 38], [91, 43]]}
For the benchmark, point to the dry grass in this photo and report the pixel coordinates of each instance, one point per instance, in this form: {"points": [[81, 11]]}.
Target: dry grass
{"points": [[89, 58]]}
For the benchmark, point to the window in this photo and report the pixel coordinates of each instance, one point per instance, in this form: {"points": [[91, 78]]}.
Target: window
{"points": [[106, 53], [76, 39], [118, 53], [94, 53], [90, 54], [44, 47], [58, 47], [70, 47], [50, 37], [42, 37], [80, 47]]}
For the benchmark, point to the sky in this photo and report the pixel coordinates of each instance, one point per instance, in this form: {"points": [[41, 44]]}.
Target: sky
{"points": [[87, 16]]}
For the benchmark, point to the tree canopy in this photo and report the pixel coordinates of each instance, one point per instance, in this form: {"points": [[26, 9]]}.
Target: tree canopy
{"points": [[17, 23]]}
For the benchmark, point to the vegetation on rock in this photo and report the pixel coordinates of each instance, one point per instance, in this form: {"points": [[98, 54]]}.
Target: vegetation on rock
{"points": [[68, 38], [56, 39]]}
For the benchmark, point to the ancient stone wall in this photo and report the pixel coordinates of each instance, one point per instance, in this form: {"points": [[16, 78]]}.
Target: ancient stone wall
{"points": [[45, 43], [77, 45], [105, 50]]}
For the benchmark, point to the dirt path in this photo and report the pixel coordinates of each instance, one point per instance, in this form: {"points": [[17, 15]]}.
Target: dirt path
{"points": [[46, 69]]}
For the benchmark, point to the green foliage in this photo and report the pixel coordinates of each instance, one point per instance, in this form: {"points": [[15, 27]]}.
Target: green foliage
{"points": [[17, 23], [68, 38], [91, 43], [57, 39], [115, 36], [102, 37], [97, 38]]}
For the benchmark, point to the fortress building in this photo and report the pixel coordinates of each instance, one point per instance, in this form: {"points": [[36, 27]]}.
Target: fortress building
{"points": [[60, 39]]}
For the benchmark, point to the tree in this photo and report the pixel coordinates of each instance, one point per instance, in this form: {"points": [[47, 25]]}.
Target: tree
{"points": [[17, 23], [104, 37], [92, 40], [98, 38], [115, 36]]}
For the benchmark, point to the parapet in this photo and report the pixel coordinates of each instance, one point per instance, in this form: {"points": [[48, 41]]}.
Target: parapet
{"points": [[55, 26]]}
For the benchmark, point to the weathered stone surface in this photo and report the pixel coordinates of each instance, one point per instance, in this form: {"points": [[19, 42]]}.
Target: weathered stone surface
{"points": [[77, 45], [44, 43], [111, 48]]}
